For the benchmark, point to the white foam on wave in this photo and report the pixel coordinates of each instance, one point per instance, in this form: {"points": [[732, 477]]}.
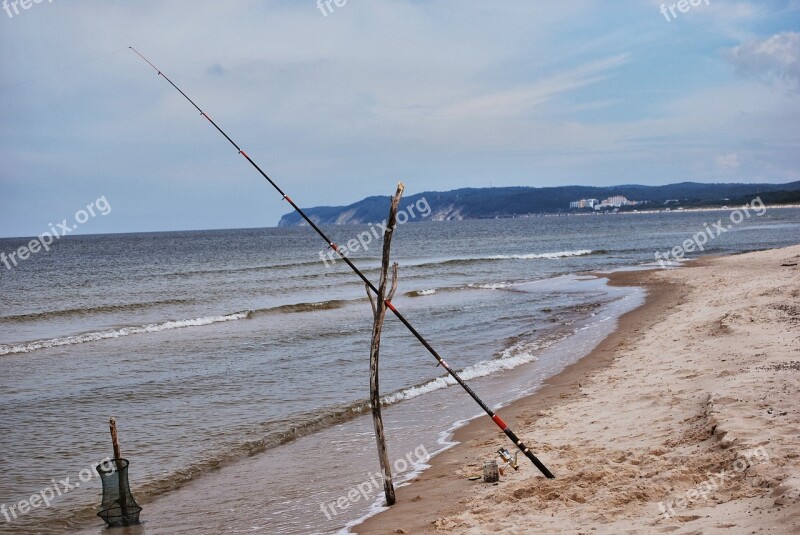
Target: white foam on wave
{"points": [[537, 256], [117, 333], [427, 292], [492, 286], [532, 256], [510, 358]]}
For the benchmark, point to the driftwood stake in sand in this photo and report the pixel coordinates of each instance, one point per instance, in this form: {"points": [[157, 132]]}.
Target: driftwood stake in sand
{"points": [[120, 465], [379, 313]]}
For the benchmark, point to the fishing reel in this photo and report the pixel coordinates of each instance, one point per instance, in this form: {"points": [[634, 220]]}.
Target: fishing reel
{"points": [[509, 460]]}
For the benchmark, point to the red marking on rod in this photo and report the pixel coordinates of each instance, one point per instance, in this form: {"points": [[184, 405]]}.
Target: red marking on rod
{"points": [[391, 306], [335, 247], [243, 153], [500, 423], [288, 199]]}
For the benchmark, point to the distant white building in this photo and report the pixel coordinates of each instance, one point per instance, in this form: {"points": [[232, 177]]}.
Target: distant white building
{"points": [[615, 202], [584, 203], [612, 202]]}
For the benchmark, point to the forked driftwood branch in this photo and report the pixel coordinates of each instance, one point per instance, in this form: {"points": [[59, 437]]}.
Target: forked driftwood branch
{"points": [[379, 313]]}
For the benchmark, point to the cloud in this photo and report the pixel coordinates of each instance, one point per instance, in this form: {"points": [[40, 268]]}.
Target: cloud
{"points": [[216, 69], [774, 59], [510, 102], [728, 161]]}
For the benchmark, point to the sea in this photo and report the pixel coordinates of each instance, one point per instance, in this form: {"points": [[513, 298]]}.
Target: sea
{"points": [[236, 362]]}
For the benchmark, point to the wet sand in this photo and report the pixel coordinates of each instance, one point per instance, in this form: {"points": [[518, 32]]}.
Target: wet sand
{"points": [[685, 420]]}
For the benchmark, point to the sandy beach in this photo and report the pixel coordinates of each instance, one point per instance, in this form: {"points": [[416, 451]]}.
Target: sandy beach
{"points": [[685, 420]]}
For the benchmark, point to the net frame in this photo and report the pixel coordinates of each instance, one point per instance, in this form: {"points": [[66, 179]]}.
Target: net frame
{"points": [[117, 512]]}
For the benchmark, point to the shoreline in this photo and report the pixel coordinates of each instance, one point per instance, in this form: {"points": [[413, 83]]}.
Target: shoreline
{"points": [[555, 391], [443, 500]]}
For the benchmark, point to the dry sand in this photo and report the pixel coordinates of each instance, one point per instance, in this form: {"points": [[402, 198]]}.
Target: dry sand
{"points": [[693, 403]]}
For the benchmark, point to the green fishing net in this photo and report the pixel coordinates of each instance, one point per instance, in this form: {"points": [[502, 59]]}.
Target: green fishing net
{"points": [[118, 508]]}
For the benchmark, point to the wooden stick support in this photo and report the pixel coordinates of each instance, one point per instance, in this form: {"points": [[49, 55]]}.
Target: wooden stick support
{"points": [[114, 438], [379, 307], [112, 423]]}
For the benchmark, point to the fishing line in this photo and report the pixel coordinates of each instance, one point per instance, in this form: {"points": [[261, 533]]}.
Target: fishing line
{"points": [[497, 420]]}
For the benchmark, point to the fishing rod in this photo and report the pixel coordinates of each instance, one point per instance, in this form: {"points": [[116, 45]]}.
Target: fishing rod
{"points": [[497, 420]]}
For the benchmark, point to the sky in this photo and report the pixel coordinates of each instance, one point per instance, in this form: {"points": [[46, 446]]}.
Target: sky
{"points": [[339, 102]]}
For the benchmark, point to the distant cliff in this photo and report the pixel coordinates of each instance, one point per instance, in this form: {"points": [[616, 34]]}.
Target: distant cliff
{"points": [[491, 203]]}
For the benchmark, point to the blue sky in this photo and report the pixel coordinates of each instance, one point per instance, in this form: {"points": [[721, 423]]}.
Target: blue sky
{"points": [[338, 106]]}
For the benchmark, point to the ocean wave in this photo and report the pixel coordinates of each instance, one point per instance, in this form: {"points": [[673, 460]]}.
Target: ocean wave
{"points": [[494, 258], [492, 285], [117, 333], [369, 263], [421, 293], [550, 256], [510, 358], [268, 267], [294, 308], [101, 309], [245, 269], [303, 307]]}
